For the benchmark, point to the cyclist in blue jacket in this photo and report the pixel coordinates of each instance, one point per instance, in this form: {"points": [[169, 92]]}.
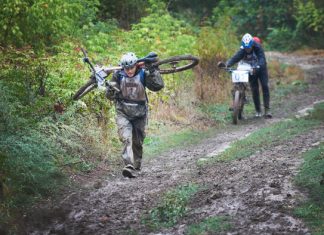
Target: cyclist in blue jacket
{"points": [[252, 53]]}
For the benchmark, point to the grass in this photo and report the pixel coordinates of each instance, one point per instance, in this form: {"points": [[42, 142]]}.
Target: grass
{"points": [[217, 112], [263, 138], [311, 177], [283, 91], [318, 112], [171, 208], [166, 139], [36, 160], [211, 225]]}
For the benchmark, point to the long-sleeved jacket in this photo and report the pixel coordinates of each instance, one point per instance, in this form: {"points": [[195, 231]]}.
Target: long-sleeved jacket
{"points": [[257, 52]]}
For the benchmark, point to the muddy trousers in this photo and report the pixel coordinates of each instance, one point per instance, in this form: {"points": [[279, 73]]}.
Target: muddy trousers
{"points": [[261, 77], [132, 133]]}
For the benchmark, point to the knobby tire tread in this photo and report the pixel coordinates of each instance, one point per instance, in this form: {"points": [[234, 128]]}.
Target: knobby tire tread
{"points": [[192, 61], [240, 114], [236, 106]]}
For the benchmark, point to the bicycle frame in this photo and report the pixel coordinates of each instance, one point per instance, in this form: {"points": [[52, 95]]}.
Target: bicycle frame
{"points": [[166, 66], [240, 79]]}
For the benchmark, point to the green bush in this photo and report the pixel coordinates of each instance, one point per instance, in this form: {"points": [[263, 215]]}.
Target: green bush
{"points": [[42, 23], [278, 39]]}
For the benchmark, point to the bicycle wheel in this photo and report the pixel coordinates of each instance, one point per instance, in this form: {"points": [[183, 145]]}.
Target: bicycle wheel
{"points": [[85, 89], [236, 107], [177, 63], [241, 105]]}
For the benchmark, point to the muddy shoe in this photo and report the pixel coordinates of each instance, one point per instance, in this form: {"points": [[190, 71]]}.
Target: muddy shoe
{"points": [[267, 114], [129, 171]]}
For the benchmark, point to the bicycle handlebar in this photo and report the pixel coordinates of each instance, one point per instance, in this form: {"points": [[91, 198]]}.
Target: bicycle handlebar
{"points": [[231, 69]]}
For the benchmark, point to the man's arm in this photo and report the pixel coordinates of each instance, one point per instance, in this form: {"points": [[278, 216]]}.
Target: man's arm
{"points": [[239, 55], [259, 52]]}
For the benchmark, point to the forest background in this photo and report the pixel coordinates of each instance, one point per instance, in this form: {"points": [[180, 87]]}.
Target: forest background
{"points": [[45, 137]]}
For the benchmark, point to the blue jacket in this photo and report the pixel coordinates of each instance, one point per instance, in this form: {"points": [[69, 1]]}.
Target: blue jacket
{"points": [[257, 51]]}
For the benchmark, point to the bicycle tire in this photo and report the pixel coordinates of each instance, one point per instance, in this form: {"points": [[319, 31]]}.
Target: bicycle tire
{"points": [[190, 62], [241, 105], [236, 107], [85, 89]]}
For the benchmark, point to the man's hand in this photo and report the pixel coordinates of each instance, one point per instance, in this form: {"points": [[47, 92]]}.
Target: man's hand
{"points": [[256, 69], [112, 91]]}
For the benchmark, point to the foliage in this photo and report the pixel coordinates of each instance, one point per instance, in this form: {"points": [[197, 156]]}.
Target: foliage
{"points": [[125, 12], [309, 15], [218, 112], [277, 22], [310, 22], [210, 225], [39, 145], [256, 17], [35, 158], [197, 12], [41, 23], [279, 35], [172, 207], [311, 177], [214, 44], [318, 112], [25, 74], [160, 32]]}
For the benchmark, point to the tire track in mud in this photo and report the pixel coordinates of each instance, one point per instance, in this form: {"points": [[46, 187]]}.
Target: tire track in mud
{"points": [[256, 192]]}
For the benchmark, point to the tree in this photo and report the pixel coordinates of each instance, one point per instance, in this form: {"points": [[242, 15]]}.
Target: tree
{"points": [[125, 12], [40, 23]]}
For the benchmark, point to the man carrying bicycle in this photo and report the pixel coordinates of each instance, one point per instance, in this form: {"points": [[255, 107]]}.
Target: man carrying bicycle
{"points": [[131, 108], [252, 53]]}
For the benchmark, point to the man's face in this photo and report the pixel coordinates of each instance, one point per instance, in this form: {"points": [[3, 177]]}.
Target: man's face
{"points": [[130, 71]]}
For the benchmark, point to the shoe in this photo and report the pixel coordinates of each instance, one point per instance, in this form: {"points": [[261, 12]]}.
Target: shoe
{"points": [[129, 171], [267, 114], [258, 114]]}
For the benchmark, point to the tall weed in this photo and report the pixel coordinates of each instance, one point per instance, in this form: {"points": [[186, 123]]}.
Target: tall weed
{"points": [[214, 44]]}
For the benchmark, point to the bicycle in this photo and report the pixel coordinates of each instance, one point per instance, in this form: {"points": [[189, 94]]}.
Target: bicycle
{"points": [[240, 79], [99, 73]]}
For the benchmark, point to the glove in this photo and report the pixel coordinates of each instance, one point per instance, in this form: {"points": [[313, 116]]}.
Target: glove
{"points": [[221, 64], [111, 91]]}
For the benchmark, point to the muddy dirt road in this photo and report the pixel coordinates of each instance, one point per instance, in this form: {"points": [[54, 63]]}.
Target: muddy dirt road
{"points": [[256, 192]]}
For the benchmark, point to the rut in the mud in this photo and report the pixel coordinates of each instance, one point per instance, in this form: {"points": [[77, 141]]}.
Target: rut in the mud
{"points": [[256, 192]]}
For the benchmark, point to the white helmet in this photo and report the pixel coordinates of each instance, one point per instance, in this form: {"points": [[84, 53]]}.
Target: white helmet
{"points": [[128, 60], [247, 41]]}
